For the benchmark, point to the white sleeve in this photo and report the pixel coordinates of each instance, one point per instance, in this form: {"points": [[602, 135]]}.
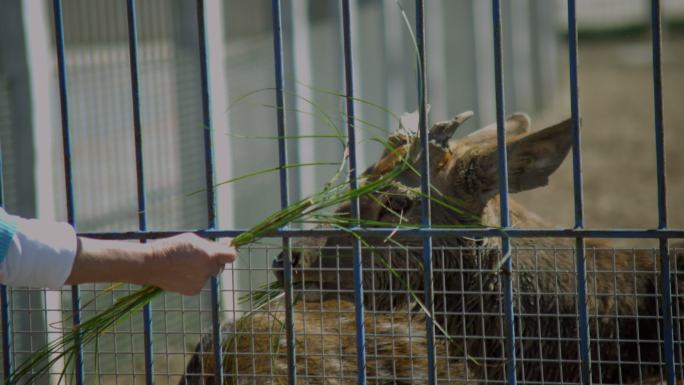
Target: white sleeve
{"points": [[40, 254]]}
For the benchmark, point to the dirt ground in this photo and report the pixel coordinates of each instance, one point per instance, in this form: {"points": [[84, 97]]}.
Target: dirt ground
{"points": [[618, 145]]}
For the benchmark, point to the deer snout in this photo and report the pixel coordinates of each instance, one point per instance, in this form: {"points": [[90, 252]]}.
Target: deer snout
{"points": [[316, 264], [278, 264]]}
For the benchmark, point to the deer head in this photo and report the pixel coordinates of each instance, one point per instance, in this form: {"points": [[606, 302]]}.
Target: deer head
{"points": [[464, 178]]}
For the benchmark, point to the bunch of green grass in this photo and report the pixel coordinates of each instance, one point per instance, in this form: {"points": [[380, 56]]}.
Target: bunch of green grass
{"points": [[66, 347], [308, 210]]}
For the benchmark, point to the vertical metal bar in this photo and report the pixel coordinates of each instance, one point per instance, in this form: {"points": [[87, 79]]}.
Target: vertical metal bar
{"points": [[139, 173], [284, 196], [68, 177], [6, 330], [209, 173], [425, 214], [580, 261], [4, 304], [503, 196], [658, 109], [662, 193], [353, 184]]}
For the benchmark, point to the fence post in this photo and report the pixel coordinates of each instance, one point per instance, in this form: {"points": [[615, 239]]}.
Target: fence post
{"points": [[507, 265], [139, 170], [656, 32], [580, 264], [353, 185], [68, 175], [276, 13]]}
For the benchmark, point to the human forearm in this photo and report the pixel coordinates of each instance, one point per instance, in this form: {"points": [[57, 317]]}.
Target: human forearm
{"points": [[40, 253], [110, 261], [182, 263]]}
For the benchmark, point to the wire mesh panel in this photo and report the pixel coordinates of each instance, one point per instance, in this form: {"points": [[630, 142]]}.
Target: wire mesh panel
{"points": [[417, 270], [254, 343]]}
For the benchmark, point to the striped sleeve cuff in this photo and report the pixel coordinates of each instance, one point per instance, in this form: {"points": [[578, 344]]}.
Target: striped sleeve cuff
{"points": [[8, 227], [46, 252]]}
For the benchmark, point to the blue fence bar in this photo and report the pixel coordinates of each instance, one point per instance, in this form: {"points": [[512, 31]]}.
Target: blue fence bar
{"points": [[425, 214], [585, 353], [6, 333], [284, 196], [506, 268], [4, 304], [211, 192], [68, 177], [140, 176], [353, 184], [662, 195]]}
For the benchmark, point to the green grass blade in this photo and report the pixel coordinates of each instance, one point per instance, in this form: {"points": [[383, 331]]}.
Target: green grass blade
{"points": [[265, 171]]}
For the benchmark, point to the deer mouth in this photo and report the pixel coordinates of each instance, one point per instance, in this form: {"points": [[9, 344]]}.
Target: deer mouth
{"points": [[331, 268]]}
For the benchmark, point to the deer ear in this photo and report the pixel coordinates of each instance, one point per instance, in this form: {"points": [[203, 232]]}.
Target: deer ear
{"points": [[516, 124], [408, 122], [532, 158]]}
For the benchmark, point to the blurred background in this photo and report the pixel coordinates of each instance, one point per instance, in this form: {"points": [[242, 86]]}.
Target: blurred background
{"points": [[615, 93]]}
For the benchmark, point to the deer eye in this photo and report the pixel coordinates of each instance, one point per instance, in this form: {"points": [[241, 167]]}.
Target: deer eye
{"points": [[399, 203]]}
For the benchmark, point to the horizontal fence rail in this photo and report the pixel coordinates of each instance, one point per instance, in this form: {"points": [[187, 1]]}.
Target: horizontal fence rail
{"points": [[426, 231], [418, 232]]}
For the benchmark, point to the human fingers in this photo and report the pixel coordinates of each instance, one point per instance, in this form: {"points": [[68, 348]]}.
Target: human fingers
{"points": [[222, 253], [217, 269]]}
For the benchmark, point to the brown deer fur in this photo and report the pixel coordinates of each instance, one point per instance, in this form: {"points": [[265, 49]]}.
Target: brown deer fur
{"points": [[325, 338]]}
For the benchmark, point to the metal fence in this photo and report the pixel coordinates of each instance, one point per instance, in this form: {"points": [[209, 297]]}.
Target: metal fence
{"points": [[433, 339]]}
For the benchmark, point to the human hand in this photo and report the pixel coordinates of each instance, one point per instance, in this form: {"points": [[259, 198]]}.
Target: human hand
{"points": [[183, 263]]}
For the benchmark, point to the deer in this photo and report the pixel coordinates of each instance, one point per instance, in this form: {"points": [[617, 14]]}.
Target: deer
{"points": [[623, 301], [255, 352]]}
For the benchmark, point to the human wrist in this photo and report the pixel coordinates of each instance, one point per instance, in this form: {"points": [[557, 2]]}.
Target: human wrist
{"points": [[110, 261], [149, 256], [140, 262]]}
